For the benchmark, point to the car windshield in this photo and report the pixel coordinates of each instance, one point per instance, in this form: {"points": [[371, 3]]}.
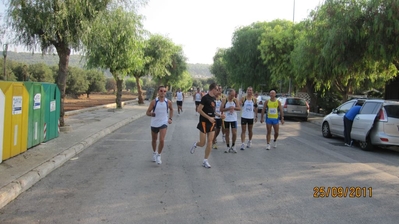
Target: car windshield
{"points": [[299, 102], [392, 110]]}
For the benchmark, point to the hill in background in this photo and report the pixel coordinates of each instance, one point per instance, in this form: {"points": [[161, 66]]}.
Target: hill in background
{"points": [[196, 70]]}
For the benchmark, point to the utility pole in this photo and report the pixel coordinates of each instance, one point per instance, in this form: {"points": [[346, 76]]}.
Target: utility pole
{"points": [[289, 81]]}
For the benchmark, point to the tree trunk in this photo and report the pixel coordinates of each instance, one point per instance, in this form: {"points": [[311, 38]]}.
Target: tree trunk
{"points": [[63, 54], [119, 83], [313, 97], [139, 90]]}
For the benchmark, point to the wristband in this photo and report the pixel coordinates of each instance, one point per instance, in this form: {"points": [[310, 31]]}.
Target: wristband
{"points": [[171, 119]]}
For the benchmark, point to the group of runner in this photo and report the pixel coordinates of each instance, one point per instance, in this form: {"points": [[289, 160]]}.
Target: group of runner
{"points": [[217, 113]]}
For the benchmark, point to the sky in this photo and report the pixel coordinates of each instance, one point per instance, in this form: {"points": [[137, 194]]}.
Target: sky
{"points": [[203, 26]]}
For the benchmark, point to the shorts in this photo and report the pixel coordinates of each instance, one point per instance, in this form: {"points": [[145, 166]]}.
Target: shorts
{"points": [[218, 123], [206, 127], [156, 130], [179, 103], [272, 121], [228, 124], [248, 121], [197, 103]]}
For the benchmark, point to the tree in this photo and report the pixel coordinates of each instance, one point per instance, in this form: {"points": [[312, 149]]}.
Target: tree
{"points": [[40, 73], [96, 81], [110, 84], [158, 51], [219, 68], [77, 83], [185, 82], [175, 70], [115, 41], [58, 24], [277, 43], [243, 59]]}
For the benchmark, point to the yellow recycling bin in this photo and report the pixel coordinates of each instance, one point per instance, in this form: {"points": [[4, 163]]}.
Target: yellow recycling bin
{"points": [[2, 101], [16, 111]]}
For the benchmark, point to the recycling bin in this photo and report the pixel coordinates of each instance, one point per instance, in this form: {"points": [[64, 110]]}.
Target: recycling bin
{"points": [[52, 109], [2, 101], [15, 118], [36, 113]]}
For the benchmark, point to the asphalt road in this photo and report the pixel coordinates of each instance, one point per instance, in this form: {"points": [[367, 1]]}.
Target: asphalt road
{"points": [[115, 181]]}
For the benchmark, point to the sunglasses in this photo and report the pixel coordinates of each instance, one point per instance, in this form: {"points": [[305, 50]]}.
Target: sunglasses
{"points": [[162, 91]]}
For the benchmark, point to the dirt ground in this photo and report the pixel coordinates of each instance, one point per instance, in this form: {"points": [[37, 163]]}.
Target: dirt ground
{"points": [[95, 99]]}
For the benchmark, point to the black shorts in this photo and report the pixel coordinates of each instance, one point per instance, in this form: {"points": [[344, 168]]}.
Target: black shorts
{"points": [[218, 123], [197, 103], [245, 121], [228, 124], [206, 127], [156, 130], [179, 103]]}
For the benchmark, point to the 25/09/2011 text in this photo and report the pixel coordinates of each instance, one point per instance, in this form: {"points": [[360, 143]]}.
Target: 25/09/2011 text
{"points": [[342, 192]]}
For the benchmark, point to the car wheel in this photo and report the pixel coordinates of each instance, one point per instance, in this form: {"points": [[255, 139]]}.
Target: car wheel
{"points": [[366, 146], [325, 130]]}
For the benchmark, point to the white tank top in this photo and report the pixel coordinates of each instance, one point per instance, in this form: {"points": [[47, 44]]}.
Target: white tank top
{"points": [[179, 96], [230, 116], [248, 109], [161, 114], [198, 97], [218, 103]]}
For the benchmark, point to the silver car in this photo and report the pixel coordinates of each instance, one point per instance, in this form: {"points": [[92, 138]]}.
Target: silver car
{"points": [[295, 107], [377, 123], [261, 100]]}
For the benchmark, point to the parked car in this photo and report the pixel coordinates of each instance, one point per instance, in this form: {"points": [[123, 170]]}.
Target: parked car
{"points": [[261, 100], [377, 123], [295, 107]]}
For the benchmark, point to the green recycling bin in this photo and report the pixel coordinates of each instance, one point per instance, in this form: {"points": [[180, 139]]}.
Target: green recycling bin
{"points": [[36, 113], [52, 101]]}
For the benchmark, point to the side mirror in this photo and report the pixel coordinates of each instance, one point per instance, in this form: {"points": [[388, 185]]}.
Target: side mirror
{"points": [[335, 111]]}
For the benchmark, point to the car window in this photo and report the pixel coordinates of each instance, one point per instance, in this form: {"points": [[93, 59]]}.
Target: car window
{"points": [[370, 108], [392, 111], [298, 102], [345, 107]]}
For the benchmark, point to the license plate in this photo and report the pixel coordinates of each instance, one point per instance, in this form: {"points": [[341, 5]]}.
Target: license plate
{"points": [[297, 111]]}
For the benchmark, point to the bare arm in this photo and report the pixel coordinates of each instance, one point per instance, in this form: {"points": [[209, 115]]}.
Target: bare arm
{"points": [[150, 109]]}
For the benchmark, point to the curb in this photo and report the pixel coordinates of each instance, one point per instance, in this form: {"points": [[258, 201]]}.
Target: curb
{"points": [[12, 190], [111, 105]]}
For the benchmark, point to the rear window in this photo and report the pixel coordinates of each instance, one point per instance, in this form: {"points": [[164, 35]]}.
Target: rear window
{"points": [[392, 110], [298, 102]]}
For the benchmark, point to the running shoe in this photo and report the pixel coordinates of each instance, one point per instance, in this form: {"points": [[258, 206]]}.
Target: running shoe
{"points": [[227, 150], [274, 144], [214, 146], [242, 146], [249, 144], [154, 156], [159, 161], [233, 149], [192, 150], [206, 164], [268, 147]]}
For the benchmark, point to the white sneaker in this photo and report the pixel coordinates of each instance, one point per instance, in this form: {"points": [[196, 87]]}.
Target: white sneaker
{"points": [[206, 164], [224, 139], [275, 144], [192, 150], [242, 146], [234, 149], [154, 156], [249, 144], [227, 150], [268, 147], [214, 146], [159, 161]]}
